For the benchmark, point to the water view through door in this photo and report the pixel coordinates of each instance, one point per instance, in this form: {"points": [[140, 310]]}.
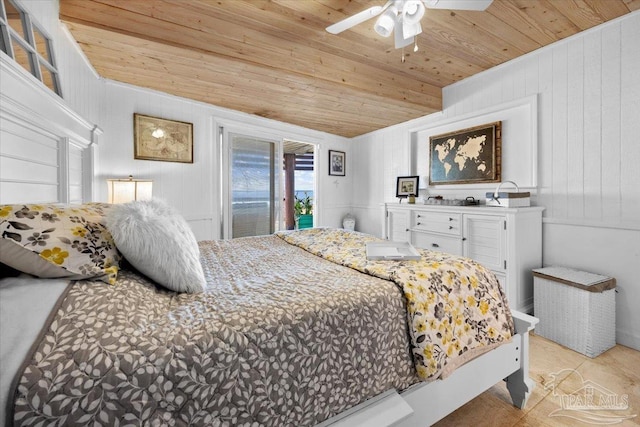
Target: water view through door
{"points": [[253, 186], [299, 184]]}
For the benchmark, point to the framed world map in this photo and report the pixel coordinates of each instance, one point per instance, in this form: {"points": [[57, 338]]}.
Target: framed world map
{"points": [[161, 139], [466, 156]]}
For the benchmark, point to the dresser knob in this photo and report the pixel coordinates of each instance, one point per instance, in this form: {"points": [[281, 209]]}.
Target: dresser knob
{"points": [[450, 227], [435, 245], [419, 223], [450, 219]]}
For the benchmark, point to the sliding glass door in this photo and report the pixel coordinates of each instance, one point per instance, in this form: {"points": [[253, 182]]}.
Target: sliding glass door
{"points": [[252, 184]]}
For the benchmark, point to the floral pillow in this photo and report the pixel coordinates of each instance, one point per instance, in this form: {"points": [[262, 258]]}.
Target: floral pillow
{"points": [[58, 241]]}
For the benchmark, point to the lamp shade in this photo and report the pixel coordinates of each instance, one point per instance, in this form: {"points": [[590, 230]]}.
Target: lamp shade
{"points": [[129, 189]]}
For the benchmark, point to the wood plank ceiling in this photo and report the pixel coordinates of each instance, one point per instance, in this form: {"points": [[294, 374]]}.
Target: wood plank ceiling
{"points": [[273, 58]]}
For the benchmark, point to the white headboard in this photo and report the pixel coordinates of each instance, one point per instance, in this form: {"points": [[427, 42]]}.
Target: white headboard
{"points": [[47, 151]]}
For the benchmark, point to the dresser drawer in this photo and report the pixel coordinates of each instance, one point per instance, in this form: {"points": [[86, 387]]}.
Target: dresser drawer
{"points": [[434, 242], [438, 222]]}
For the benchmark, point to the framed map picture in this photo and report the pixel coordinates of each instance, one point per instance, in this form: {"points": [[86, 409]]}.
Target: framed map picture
{"points": [[467, 156], [162, 139]]}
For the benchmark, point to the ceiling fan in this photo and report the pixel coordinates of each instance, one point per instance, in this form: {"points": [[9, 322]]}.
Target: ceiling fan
{"points": [[402, 17]]}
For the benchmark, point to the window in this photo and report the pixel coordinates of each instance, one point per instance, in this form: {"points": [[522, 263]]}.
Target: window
{"points": [[28, 44]]}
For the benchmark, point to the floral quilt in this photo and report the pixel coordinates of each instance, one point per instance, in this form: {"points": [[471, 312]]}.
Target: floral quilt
{"points": [[456, 309], [279, 337]]}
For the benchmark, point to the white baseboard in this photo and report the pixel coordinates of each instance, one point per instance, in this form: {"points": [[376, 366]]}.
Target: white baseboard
{"points": [[628, 339]]}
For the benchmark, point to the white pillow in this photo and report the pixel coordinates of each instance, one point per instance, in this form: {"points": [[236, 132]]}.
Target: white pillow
{"points": [[158, 242]]}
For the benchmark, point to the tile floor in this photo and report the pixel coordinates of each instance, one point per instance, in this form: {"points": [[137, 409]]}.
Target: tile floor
{"points": [[614, 375]]}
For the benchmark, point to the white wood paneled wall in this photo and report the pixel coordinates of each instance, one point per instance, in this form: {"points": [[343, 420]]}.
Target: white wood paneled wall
{"points": [[589, 179], [45, 154], [28, 163], [588, 93], [194, 189], [378, 159], [518, 148], [589, 105], [46, 141]]}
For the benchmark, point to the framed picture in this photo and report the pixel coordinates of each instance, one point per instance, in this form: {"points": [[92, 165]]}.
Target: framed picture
{"points": [[337, 161], [467, 156], [407, 186], [162, 139]]}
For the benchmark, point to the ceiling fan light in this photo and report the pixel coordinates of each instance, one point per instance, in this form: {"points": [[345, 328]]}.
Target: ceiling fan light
{"points": [[386, 22], [412, 11]]}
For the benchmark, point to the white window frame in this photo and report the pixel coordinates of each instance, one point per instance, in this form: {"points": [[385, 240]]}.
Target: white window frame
{"points": [[9, 36]]}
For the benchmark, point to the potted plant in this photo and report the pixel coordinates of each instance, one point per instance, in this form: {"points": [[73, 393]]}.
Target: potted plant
{"points": [[303, 211]]}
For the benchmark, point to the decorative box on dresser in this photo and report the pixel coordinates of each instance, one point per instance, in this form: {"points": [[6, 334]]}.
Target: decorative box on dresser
{"points": [[506, 240]]}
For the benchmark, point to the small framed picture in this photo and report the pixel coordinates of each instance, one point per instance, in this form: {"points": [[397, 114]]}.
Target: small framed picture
{"points": [[407, 186], [337, 160]]}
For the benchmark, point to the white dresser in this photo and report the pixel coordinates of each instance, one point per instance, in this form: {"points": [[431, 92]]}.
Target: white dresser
{"points": [[506, 240]]}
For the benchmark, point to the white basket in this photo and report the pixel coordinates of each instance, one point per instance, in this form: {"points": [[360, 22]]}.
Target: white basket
{"points": [[571, 315]]}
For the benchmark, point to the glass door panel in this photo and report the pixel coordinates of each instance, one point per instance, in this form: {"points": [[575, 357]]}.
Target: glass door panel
{"points": [[253, 186]]}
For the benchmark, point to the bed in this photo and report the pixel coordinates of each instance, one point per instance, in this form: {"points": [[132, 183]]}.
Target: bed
{"points": [[289, 329]]}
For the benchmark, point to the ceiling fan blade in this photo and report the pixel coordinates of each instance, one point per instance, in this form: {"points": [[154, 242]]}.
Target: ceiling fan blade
{"points": [[354, 20], [458, 4]]}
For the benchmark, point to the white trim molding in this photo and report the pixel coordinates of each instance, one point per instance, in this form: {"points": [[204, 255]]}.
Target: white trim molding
{"points": [[32, 114]]}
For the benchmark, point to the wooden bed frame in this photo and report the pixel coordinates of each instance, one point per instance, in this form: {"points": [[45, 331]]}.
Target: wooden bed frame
{"points": [[424, 404]]}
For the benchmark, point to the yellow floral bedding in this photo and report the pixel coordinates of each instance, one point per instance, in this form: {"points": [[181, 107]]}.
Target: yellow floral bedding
{"points": [[456, 309], [51, 240]]}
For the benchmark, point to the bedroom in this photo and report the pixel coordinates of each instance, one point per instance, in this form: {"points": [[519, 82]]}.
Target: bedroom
{"points": [[590, 219]]}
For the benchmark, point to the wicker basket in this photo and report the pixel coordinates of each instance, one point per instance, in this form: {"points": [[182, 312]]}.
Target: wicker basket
{"points": [[576, 309]]}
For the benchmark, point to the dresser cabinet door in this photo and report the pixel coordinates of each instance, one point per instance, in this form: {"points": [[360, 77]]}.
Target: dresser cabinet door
{"points": [[485, 240], [398, 225]]}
